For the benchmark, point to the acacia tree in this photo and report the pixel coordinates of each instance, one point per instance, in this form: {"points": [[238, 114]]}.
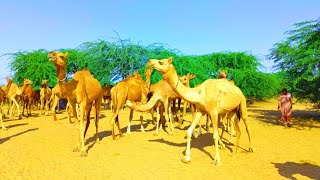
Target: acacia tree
{"points": [[299, 57]]}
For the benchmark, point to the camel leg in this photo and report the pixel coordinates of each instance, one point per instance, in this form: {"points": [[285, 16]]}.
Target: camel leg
{"points": [[166, 109], [238, 133], [251, 148], [158, 119], [214, 119], [141, 120], [195, 121], [112, 122], [152, 116], [129, 123], [15, 103], [53, 108], [82, 148], [118, 125], [97, 114], [1, 121], [29, 106], [41, 105], [88, 110]]}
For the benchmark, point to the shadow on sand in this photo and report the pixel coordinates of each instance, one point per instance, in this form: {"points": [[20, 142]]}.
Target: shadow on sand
{"points": [[289, 169], [2, 140], [200, 143], [302, 119]]}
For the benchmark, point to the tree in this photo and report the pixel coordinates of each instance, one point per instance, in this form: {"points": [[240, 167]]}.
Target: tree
{"points": [[299, 57]]}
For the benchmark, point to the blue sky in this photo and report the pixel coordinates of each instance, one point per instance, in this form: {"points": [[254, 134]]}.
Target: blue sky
{"points": [[193, 27]]}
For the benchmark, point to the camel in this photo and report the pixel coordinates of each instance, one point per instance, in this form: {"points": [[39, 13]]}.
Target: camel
{"points": [[27, 99], [2, 99], [14, 92], [185, 80], [213, 97], [132, 88], [107, 95], [45, 94], [83, 90], [162, 96]]}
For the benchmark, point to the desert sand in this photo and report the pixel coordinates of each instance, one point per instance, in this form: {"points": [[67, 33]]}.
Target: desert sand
{"points": [[40, 148]]}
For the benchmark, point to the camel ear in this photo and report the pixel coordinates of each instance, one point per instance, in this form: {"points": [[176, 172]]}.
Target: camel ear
{"points": [[170, 60], [192, 76], [66, 55]]}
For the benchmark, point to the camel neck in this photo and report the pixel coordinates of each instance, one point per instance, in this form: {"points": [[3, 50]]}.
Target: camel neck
{"points": [[22, 89], [189, 94]]}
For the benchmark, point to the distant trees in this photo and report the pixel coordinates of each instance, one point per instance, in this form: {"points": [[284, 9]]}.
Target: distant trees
{"points": [[298, 57], [110, 62]]}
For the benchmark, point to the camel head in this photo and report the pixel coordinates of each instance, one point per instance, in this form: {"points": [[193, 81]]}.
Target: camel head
{"points": [[185, 80], [223, 74], [163, 65], [44, 82], [58, 58], [27, 82], [9, 81]]}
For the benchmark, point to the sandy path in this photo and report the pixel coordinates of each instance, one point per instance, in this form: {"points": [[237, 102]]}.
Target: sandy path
{"points": [[38, 148]]}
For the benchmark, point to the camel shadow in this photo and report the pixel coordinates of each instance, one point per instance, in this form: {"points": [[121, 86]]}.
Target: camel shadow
{"points": [[302, 119], [16, 125], [2, 140], [200, 143], [288, 169]]}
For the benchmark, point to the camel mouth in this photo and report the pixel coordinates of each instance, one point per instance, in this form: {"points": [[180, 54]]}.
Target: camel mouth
{"points": [[52, 58]]}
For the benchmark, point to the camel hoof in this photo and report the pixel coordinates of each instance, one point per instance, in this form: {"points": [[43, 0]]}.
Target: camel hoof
{"points": [[76, 149], [128, 132], [216, 163], [222, 146], [185, 161], [252, 149], [20, 117], [83, 154]]}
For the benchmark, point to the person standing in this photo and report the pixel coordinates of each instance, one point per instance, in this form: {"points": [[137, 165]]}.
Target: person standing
{"points": [[285, 107]]}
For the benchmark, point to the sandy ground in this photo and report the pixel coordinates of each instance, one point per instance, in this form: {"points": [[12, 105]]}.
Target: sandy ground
{"points": [[39, 148]]}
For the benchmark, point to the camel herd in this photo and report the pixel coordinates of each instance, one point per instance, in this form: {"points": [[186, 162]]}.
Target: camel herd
{"points": [[214, 98]]}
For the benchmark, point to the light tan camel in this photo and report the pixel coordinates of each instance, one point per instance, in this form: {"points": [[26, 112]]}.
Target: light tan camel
{"points": [[132, 88], [15, 92], [84, 90], [2, 99], [162, 96], [45, 94], [185, 80], [212, 97]]}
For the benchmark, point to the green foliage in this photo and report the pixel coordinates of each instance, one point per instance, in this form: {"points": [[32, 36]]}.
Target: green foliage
{"points": [[33, 65], [299, 57], [111, 62]]}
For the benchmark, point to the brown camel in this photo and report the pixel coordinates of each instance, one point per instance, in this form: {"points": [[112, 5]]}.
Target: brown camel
{"points": [[106, 95], [132, 88], [2, 99], [83, 90], [212, 97], [27, 99], [45, 94], [14, 92]]}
